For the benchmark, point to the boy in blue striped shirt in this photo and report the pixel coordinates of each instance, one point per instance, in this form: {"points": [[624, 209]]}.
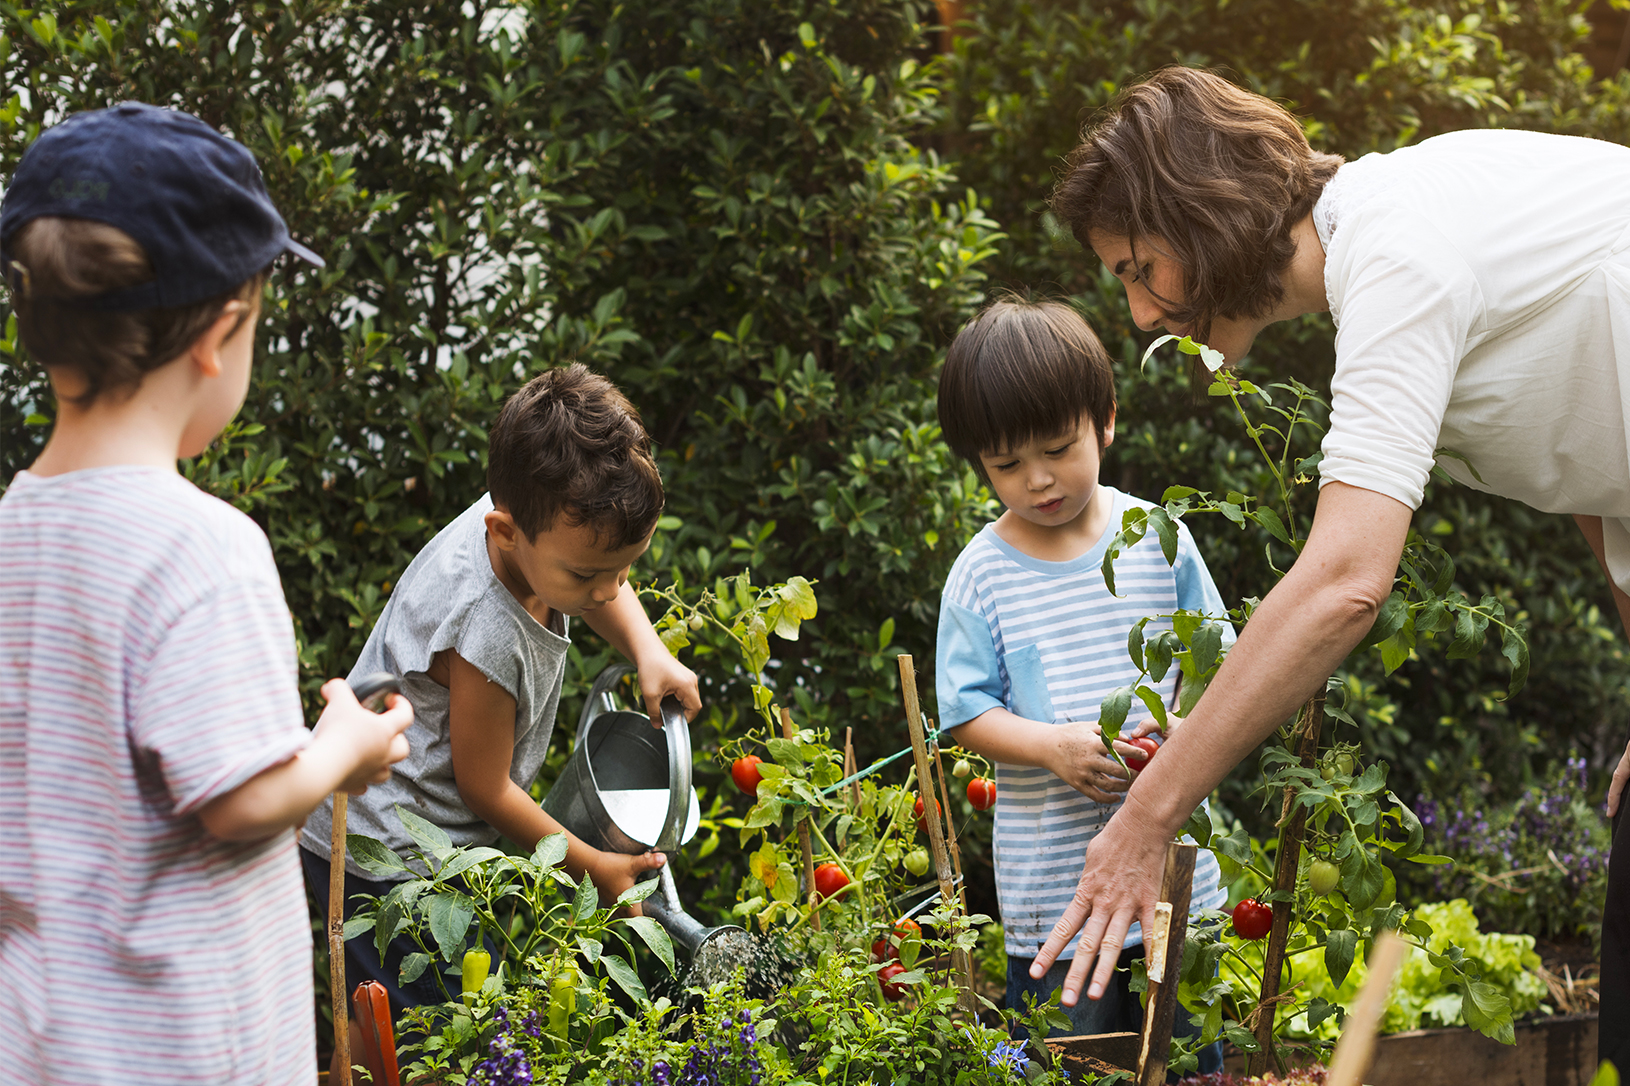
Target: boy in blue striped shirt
{"points": [[1030, 637]]}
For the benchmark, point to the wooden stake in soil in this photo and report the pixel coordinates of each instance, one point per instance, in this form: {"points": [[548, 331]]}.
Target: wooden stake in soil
{"points": [[1165, 962], [850, 767], [788, 732], [950, 823], [1357, 1044], [961, 962], [1292, 825], [336, 941]]}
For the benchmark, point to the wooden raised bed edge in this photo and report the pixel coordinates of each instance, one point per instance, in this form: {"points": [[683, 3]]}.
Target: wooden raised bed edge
{"points": [[1555, 1051]]}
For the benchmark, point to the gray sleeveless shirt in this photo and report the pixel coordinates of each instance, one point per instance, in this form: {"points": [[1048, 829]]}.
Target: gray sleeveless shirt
{"points": [[450, 598]]}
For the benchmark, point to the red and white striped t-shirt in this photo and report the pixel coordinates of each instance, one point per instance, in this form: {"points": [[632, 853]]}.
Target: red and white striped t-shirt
{"points": [[147, 666]]}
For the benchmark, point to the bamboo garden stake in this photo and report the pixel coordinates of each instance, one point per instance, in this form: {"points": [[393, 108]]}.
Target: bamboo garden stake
{"points": [[1357, 1044], [961, 962], [336, 942]]}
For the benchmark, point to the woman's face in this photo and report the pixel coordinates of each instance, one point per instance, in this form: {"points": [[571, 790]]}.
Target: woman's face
{"points": [[1153, 274]]}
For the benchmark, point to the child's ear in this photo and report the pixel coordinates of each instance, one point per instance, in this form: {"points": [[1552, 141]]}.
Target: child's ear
{"points": [[1107, 438], [501, 526], [205, 351]]}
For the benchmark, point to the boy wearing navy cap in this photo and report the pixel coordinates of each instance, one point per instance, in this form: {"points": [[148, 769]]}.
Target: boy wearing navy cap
{"points": [[153, 757]]}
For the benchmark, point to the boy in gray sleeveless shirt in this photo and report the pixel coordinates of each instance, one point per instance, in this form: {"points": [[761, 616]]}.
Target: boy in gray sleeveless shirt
{"points": [[477, 628]]}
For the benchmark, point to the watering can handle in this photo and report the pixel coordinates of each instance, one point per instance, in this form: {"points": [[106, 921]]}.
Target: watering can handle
{"points": [[677, 730]]}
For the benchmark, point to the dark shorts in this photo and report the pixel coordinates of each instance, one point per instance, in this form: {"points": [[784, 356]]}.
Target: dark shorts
{"points": [[362, 960], [1119, 1011]]}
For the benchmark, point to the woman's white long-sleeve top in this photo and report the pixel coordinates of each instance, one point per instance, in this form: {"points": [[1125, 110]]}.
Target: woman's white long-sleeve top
{"points": [[1480, 286]]}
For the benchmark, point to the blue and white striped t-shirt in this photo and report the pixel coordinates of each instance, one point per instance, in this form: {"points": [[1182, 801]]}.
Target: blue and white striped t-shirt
{"points": [[1047, 641]]}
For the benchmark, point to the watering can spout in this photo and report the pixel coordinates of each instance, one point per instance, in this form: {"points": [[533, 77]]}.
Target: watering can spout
{"points": [[664, 907]]}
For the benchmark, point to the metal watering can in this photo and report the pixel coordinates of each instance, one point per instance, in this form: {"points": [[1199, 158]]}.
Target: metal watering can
{"points": [[627, 788]]}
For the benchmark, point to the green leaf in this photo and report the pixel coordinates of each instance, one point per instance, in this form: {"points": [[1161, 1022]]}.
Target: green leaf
{"points": [[1112, 714], [1275, 527], [654, 937], [373, 856], [449, 914], [1166, 528], [1319, 1009], [623, 976], [551, 851], [1488, 1011], [638, 892], [586, 900], [1469, 629], [1388, 621], [413, 967], [1134, 644], [467, 858], [1151, 701], [1339, 948], [1206, 647], [427, 835], [1514, 647], [355, 927]]}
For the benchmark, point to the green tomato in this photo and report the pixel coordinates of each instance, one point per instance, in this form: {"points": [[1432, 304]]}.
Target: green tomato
{"points": [[917, 861], [961, 768], [697, 622], [1345, 763], [1323, 877]]}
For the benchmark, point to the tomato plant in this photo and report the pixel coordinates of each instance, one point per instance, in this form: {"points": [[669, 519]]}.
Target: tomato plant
{"points": [[744, 771], [982, 793]]}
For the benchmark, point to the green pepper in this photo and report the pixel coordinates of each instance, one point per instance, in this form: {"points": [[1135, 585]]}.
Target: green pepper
{"points": [[477, 963], [562, 1002]]}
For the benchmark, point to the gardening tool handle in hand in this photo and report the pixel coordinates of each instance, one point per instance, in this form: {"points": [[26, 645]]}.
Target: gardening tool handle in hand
{"points": [[370, 691]]}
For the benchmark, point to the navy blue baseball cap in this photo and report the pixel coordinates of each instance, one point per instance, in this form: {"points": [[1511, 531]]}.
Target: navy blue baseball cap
{"points": [[193, 199]]}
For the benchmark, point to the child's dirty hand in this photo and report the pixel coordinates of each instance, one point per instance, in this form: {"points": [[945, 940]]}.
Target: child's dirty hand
{"points": [[614, 872], [1081, 760], [661, 675], [368, 743]]}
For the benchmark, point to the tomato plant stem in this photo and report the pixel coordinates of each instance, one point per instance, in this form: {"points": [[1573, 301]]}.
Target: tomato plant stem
{"points": [[1293, 821]]}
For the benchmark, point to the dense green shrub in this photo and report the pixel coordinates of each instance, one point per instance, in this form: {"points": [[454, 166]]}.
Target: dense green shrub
{"points": [[1364, 76]]}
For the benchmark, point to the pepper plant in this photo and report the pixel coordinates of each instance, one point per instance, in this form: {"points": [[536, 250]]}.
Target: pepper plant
{"points": [[1340, 895], [550, 933]]}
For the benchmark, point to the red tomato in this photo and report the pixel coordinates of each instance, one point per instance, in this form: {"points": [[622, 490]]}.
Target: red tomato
{"points": [[917, 809], [829, 879], [982, 793], [745, 773], [907, 928], [888, 973], [883, 950], [1148, 746], [1252, 919]]}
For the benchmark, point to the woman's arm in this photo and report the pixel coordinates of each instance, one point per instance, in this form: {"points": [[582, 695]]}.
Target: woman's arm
{"points": [[1297, 637]]}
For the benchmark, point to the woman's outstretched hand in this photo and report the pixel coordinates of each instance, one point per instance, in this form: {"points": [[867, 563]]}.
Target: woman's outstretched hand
{"points": [[1615, 791], [1120, 883]]}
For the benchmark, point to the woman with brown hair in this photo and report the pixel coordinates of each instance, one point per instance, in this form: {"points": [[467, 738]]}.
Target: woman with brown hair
{"points": [[1480, 286]]}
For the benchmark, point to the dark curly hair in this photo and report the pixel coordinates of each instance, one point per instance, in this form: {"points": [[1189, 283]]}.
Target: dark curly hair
{"points": [[569, 443], [1218, 174]]}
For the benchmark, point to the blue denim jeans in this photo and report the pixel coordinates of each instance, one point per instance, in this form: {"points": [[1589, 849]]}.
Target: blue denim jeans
{"points": [[1119, 1011]]}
